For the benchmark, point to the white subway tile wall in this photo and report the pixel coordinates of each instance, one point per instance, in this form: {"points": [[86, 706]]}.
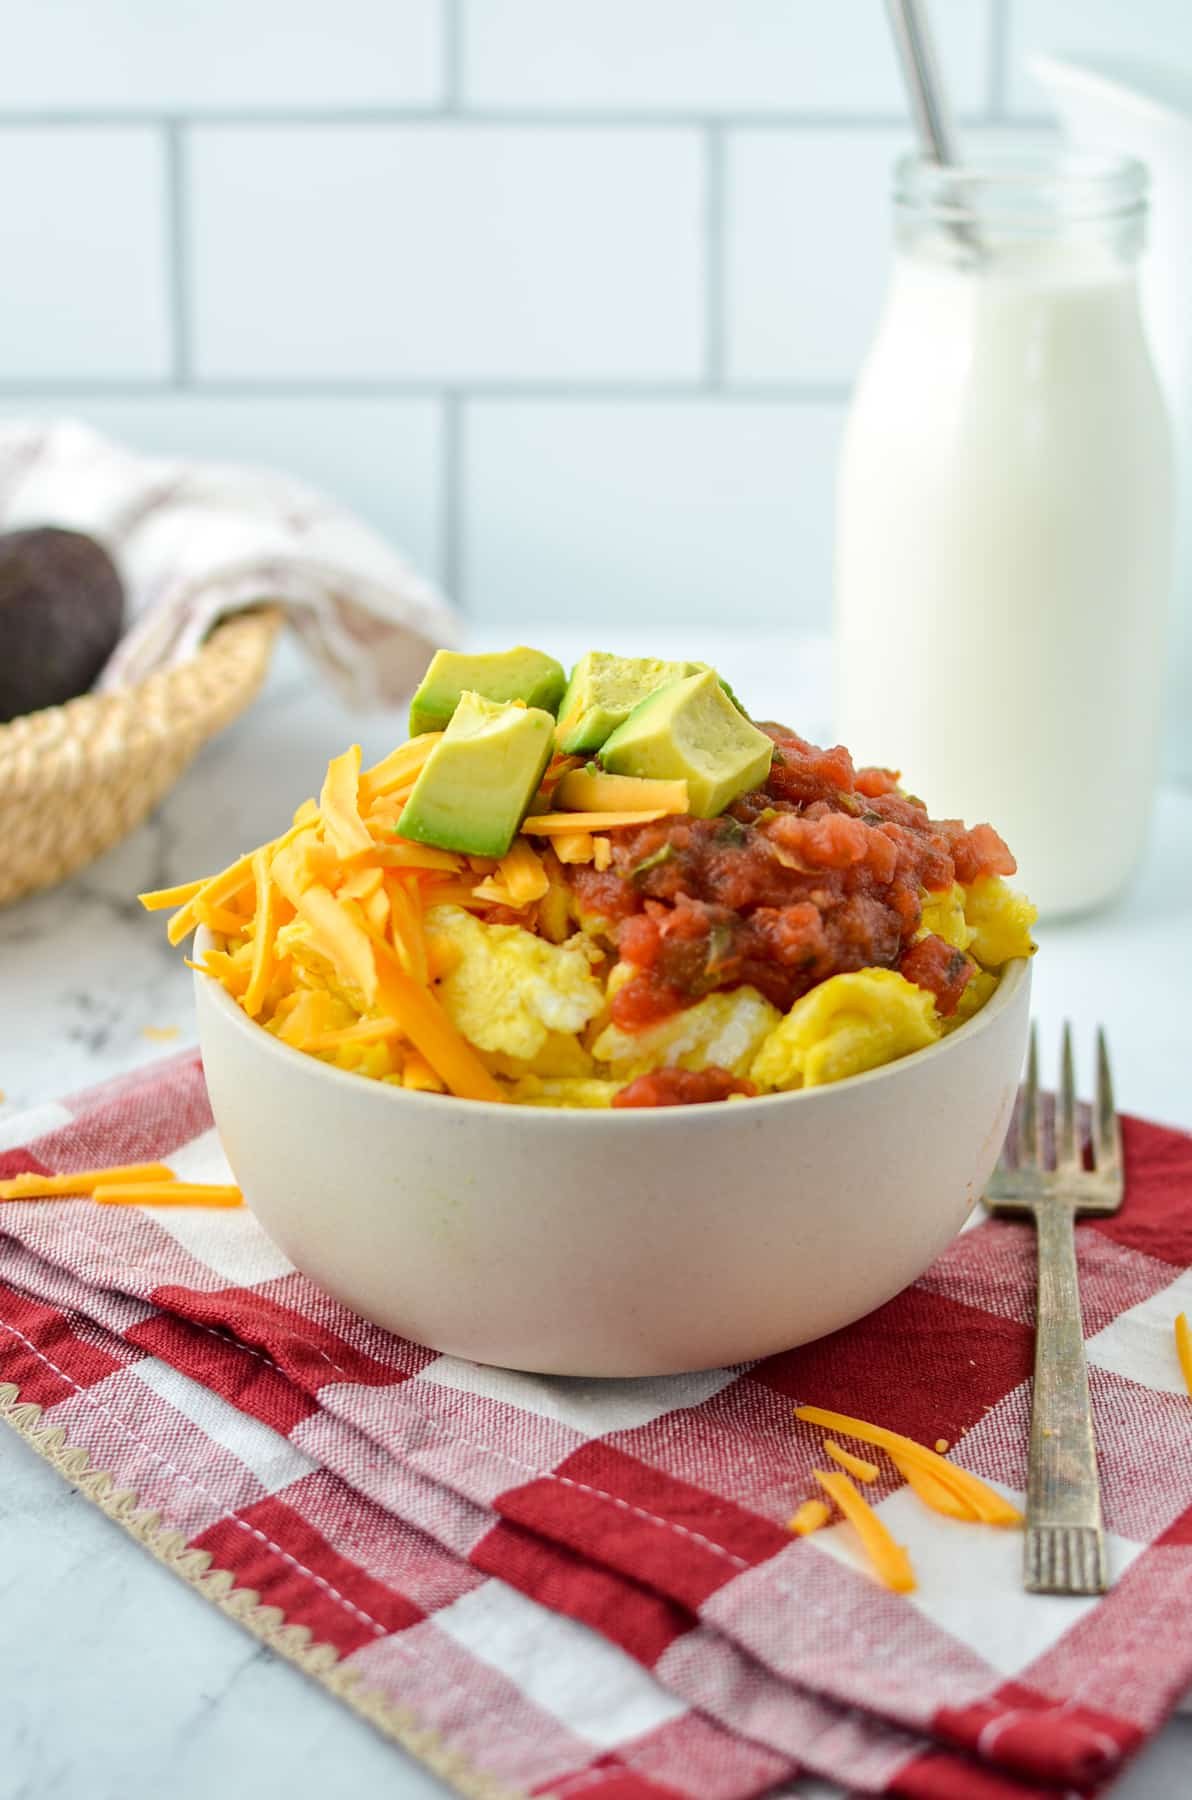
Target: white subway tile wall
{"points": [[713, 56], [805, 246], [170, 56], [703, 508], [565, 296], [446, 253], [84, 253]]}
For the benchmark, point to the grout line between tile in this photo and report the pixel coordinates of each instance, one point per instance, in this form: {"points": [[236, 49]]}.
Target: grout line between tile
{"points": [[116, 387], [516, 118], [607, 392], [451, 502], [453, 55], [178, 252], [715, 251]]}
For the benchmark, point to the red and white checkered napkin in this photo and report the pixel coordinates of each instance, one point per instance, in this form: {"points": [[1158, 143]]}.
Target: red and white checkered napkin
{"points": [[584, 1585]]}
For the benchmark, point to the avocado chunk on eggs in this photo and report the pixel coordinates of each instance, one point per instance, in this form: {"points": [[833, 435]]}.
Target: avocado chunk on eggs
{"points": [[691, 731], [517, 674], [476, 785], [603, 691], [671, 737]]}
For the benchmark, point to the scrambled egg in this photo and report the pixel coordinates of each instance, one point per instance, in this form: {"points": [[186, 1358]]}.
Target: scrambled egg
{"points": [[847, 1024], [725, 1030], [311, 968], [507, 990], [538, 1011], [944, 914], [347, 947], [991, 924], [307, 1012], [561, 1057], [980, 987], [1001, 922], [532, 1090]]}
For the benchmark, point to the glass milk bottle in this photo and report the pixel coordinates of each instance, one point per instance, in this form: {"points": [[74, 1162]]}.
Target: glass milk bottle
{"points": [[1004, 517]]}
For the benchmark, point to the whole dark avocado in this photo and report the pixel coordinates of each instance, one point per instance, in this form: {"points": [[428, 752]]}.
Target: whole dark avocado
{"points": [[61, 614]]}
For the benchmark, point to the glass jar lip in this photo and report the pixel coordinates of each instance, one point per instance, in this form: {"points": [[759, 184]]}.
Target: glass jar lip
{"points": [[1023, 188]]}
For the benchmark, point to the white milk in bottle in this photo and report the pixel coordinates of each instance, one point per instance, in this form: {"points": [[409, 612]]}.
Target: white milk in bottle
{"points": [[1004, 518]]}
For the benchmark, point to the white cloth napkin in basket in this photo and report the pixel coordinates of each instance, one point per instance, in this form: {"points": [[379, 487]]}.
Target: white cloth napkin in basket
{"points": [[194, 541]]}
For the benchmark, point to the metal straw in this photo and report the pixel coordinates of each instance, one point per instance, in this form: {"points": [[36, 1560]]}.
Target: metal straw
{"points": [[920, 70], [929, 102]]}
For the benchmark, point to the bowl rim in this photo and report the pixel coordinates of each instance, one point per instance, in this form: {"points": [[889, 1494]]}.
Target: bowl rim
{"points": [[1013, 975]]}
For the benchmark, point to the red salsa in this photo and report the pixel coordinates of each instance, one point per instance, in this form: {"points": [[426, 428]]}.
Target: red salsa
{"points": [[815, 874], [681, 1087]]}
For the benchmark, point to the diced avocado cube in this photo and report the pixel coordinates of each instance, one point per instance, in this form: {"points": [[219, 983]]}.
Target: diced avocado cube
{"points": [[604, 690], [518, 674], [698, 667], [691, 731], [477, 783]]}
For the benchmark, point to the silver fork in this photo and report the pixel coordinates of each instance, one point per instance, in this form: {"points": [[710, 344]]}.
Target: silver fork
{"points": [[1065, 1544]]}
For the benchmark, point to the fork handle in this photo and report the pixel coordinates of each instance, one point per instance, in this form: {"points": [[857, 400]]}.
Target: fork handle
{"points": [[1062, 1487]]}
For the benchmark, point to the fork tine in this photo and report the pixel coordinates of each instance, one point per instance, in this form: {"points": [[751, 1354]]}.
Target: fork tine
{"points": [[1067, 1141], [1028, 1129], [1107, 1133]]}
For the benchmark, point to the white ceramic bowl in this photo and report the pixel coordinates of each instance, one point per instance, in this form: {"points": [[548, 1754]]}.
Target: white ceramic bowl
{"points": [[626, 1243]]}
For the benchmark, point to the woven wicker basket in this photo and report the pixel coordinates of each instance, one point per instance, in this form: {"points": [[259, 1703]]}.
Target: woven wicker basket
{"points": [[75, 779]]}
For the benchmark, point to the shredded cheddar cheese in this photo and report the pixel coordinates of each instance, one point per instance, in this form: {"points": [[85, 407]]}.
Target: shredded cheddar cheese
{"points": [[375, 911], [364, 1031], [396, 854], [305, 1017], [551, 823], [320, 933], [339, 806], [219, 886], [81, 1181], [399, 769], [1183, 1346], [462, 893], [339, 932], [419, 1076], [523, 873], [233, 971], [409, 938], [166, 1193], [362, 885], [264, 933], [574, 846], [218, 918], [381, 822], [165, 899], [224, 887], [431, 1032], [890, 1561], [931, 1491], [585, 790], [493, 893], [809, 1517], [856, 1465], [985, 1503], [123, 1184]]}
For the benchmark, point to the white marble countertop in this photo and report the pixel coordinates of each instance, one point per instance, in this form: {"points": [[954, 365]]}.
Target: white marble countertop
{"points": [[91, 1705]]}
